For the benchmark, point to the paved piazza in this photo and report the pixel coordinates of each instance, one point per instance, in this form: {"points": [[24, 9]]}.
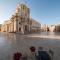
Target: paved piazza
{"points": [[12, 42]]}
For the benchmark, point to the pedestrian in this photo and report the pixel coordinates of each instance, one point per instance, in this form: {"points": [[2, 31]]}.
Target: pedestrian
{"points": [[43, 55]]}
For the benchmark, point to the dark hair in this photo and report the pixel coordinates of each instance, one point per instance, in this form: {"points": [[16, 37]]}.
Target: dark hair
{"points": [[32, 49]]}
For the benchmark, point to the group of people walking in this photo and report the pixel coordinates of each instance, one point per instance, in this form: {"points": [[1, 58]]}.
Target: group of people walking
{"points": [[40, 55]]}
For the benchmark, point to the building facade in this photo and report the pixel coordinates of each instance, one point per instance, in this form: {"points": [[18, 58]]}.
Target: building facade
{"points": [[36, 26], [45, 28], [0, 27], [57, 28], [20, 22], [52, 28]]}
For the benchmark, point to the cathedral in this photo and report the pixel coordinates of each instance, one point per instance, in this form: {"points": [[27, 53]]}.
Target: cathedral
{"points": [[20, 22]]}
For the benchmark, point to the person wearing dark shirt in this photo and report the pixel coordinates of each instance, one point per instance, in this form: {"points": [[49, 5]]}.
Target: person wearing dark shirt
{"points": [[43, 55]]}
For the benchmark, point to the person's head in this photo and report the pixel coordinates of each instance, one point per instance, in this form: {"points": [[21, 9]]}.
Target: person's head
{"points": [[32, 49], [40, 49], [17, 56]]}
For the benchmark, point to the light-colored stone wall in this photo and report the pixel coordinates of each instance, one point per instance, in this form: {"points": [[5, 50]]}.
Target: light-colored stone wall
{"points": [[35, 26], [57, 28], [0, 27], [52, 28]]}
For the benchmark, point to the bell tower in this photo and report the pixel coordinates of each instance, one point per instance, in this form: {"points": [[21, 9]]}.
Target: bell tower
{"points": [[22, 9]]}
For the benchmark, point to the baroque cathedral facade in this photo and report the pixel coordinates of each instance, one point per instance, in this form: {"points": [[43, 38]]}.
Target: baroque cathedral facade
{"points": [[20, 22]]}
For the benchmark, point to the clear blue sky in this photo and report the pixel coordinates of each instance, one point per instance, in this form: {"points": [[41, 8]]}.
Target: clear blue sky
{"points": [[44, 11]]}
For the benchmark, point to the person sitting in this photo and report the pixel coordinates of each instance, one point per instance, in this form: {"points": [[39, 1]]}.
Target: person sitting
{"points": [[17, 56], [32, 53]]}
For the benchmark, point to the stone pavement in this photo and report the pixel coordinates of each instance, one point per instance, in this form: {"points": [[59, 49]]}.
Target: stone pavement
{"points": [[10, 43]]}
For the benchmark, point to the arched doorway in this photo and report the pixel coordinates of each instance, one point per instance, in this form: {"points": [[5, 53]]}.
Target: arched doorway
{"points": [[20, 29], [26, 28]]}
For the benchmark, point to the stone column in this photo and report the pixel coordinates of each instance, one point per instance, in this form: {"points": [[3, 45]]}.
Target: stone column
{"points": [[22, 29], [15, 25]]}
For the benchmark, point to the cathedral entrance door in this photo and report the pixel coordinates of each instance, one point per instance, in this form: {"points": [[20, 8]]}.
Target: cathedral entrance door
{"points": [[26, 28]]}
